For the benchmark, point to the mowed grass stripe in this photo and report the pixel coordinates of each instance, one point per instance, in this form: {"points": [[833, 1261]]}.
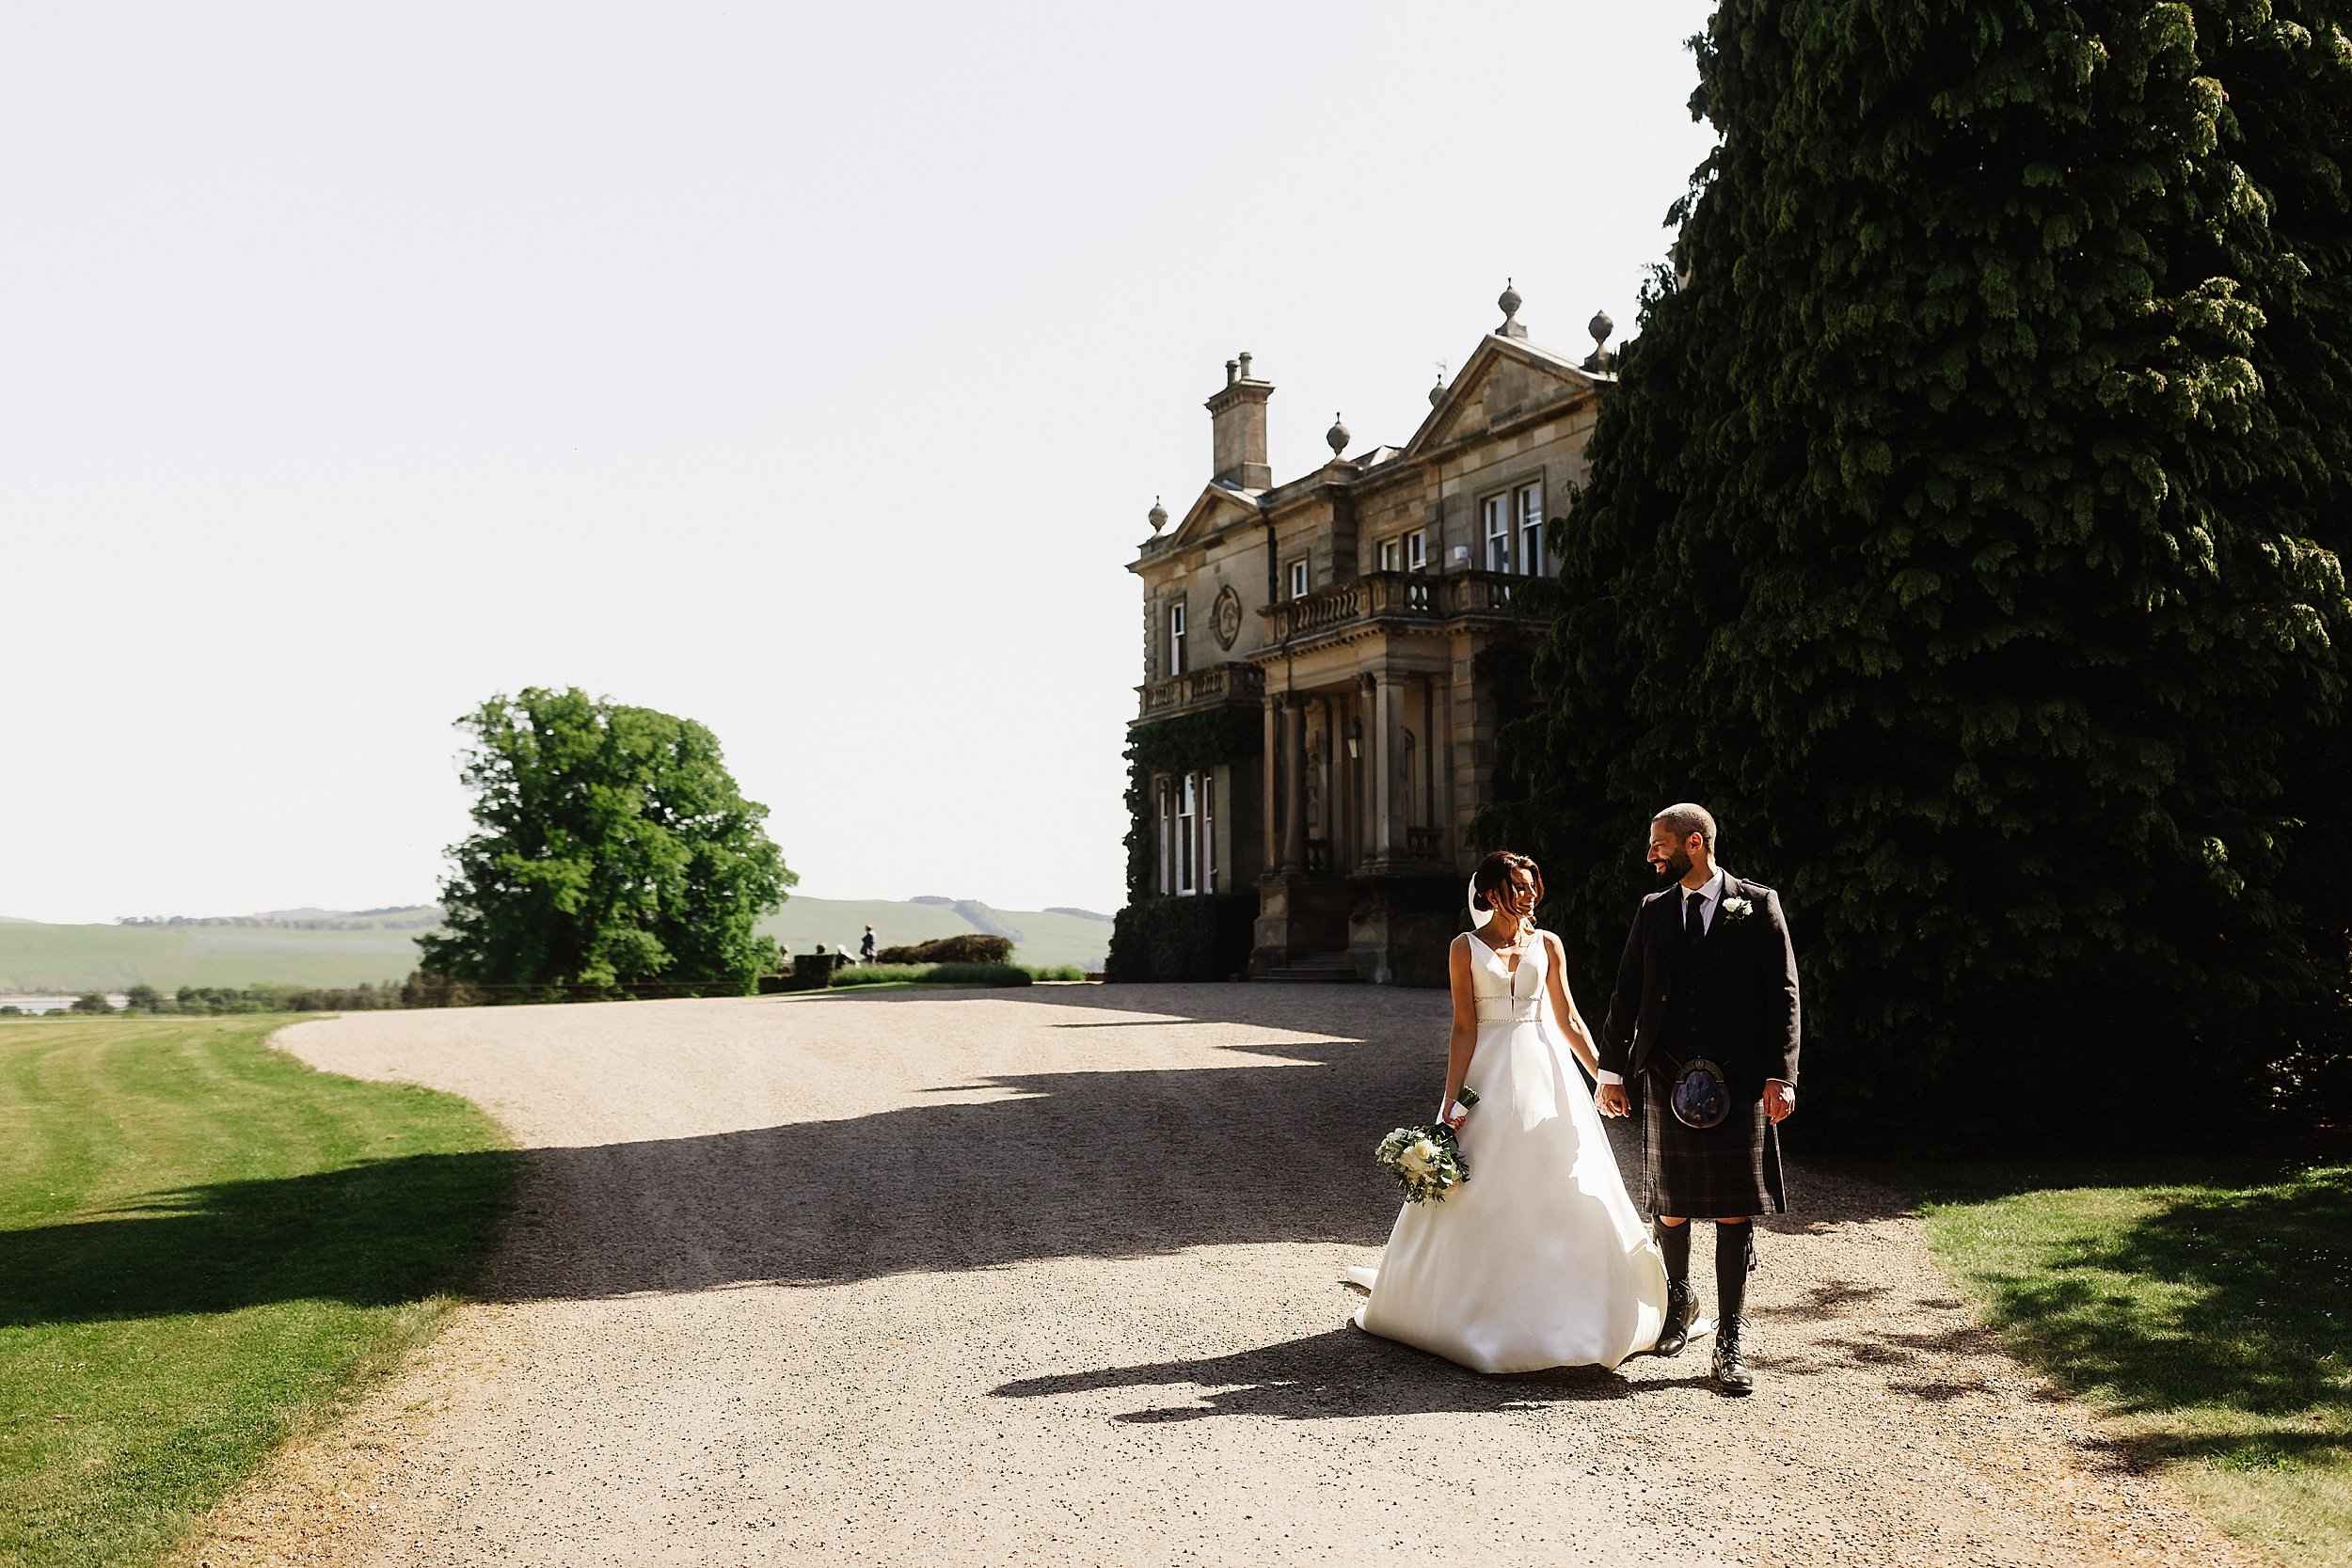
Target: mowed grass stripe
{"points": [[2204, 1307], [204, 1244]]}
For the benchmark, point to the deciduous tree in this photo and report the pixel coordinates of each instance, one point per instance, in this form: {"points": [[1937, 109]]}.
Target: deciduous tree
{"points": [[1966, 529], [613, 850]]}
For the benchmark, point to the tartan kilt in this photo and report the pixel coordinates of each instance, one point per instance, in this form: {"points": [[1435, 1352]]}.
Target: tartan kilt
{"points": [[1729, 1171]]}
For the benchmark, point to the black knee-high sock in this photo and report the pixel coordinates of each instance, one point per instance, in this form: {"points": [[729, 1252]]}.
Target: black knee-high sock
{"points": [[1735, 1255], [1674, 1243]]}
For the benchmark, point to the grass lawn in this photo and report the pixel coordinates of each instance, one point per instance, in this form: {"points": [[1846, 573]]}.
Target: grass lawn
{"points": [[203, 1243], [2204, 1307]]}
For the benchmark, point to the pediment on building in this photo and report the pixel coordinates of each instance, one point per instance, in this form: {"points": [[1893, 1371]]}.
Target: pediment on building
{"points": [[1220, 506], [1505, 377]]}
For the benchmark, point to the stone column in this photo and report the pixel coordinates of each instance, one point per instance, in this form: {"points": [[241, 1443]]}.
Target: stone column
{"points": [[1293, 782], [1385, 693], [1269, 781]]}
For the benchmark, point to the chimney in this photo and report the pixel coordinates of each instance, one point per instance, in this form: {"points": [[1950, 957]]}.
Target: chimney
{"points": [[1237, 423]]}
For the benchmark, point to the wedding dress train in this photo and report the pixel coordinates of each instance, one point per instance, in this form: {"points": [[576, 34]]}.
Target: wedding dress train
{"points": [[1540, 1259]]}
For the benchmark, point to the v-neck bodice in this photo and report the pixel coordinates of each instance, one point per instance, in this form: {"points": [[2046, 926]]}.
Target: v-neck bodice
{"points": [[1504, 994]]}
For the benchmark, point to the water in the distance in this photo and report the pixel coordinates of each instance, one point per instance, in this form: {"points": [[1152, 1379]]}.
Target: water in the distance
{"points": [[51, 1003]]}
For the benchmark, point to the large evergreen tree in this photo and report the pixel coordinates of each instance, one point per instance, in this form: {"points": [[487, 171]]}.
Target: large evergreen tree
{"points": [[613, 850], [1966, 530]]}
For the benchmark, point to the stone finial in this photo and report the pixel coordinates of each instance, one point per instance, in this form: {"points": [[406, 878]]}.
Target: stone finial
{"points": [[1436, 393], [1510, 302], [1601, 326], [1158, 515], [1337, 437]]}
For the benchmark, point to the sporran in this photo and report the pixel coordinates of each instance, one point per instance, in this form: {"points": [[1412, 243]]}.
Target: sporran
{"points": [[1701, 1096]]}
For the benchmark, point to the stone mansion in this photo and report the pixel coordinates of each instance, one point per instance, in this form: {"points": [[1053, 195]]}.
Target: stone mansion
{"points": [[1323, 661]]}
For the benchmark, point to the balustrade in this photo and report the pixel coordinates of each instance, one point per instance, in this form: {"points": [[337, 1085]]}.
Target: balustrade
{"points": [[1388, 596], [1200, 687]]}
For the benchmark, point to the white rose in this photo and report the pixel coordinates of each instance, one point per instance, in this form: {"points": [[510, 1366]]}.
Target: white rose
{"points": [[1420, 1158]]}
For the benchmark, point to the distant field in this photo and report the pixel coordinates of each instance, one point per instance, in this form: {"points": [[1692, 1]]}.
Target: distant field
{"points": [[36, 957]]}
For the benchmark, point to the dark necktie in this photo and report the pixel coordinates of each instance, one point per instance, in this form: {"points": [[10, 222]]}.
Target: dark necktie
{"points": [[1695, 917]]}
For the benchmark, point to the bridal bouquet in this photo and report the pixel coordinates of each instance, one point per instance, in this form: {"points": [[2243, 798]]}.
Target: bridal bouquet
{"points": [[1425, 1161]]}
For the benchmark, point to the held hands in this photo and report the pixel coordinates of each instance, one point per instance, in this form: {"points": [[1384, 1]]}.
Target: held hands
{"points": [[1611, 1100]]}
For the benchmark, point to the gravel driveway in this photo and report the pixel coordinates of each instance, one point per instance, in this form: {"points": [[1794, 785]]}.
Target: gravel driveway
{"points": [[1050, 1276]]}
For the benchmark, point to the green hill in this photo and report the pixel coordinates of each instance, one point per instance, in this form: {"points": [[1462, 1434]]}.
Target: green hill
{"points": [[339, 947], [1039, 935]]}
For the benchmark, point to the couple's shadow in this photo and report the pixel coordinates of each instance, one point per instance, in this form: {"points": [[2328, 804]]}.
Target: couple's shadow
{"points": [[1338, 1374]]}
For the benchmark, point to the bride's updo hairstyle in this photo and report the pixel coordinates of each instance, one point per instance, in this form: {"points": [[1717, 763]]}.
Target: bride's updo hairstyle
{"points": [[1494, 873]]}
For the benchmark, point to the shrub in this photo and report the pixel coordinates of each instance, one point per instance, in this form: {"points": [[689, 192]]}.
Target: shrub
{"points": [[877, 974], [969, 947], [1184, 938], [1055, 972], [977, 975], [93, 1001]]}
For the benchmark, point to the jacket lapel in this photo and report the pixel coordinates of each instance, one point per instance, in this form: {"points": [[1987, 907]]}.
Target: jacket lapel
{"points": [[1666, 925], [1718, 927]]}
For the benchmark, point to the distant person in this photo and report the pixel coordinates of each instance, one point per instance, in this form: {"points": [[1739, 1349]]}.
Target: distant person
{"points": [[866, 947]]}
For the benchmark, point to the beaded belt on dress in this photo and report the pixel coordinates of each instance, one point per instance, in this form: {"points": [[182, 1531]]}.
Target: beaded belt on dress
{"points": [[1509, 1012]]}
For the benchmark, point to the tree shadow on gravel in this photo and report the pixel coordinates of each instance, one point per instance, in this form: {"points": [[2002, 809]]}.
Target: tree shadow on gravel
{"points": [[1335, 1375], [1107, 1164]]}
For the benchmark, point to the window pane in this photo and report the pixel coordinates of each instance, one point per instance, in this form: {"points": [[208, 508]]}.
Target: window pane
{"points": [[1416, 551], [1208, 832], [1168, 828], [1185, 842], [1498, 534]]}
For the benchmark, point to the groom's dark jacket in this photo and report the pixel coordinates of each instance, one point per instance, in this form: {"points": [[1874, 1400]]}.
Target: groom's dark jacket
{"points": [[1732, 997]]}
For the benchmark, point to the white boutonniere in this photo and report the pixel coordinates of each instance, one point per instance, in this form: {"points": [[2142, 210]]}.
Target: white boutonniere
{"points": [[1736, 908]]}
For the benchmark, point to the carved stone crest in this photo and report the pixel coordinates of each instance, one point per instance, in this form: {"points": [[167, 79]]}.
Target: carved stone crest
{"points": [[1226, 616]]}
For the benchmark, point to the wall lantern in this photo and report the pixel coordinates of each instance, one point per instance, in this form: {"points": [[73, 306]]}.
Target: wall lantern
{"points": [[1355, 741]]}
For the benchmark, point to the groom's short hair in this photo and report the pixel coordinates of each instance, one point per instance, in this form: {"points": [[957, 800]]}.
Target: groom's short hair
{"points": [[1688, 819]]}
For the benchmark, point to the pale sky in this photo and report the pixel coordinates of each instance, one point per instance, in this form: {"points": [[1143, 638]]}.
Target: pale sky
{"points": [[805, 370]]}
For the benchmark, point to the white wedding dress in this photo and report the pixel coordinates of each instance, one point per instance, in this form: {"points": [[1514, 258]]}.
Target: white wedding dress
{"points": [[1540, 1259]]}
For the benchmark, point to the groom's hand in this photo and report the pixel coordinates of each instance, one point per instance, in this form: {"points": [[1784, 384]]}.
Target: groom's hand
{"points": [[1779, 1100], [1612, 1099]]}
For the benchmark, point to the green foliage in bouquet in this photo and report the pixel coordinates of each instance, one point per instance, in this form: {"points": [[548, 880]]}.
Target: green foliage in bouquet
{"points": [[1427, 1161], [613, 849], [1966, 530]]}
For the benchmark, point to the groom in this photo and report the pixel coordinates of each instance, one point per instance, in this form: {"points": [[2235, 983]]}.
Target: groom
{"points": [[1703, 1024]]}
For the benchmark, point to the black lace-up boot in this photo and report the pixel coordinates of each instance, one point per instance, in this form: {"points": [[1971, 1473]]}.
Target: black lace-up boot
{"points": [[1735, 1258], [1674, 1244]]}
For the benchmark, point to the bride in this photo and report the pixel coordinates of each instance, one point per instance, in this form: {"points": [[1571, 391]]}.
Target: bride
{"points": [[1538, 1259]]}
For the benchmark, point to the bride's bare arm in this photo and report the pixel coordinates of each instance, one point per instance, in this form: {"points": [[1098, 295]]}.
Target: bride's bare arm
{"points": [[1464, 1040], [1563, 1007]]}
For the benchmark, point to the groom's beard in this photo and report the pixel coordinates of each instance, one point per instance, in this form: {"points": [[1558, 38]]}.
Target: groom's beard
{"points": [[1677, 866]]}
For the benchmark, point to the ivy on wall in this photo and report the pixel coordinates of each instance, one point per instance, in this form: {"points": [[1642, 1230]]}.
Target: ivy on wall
{"points": [[1188, 743]]}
